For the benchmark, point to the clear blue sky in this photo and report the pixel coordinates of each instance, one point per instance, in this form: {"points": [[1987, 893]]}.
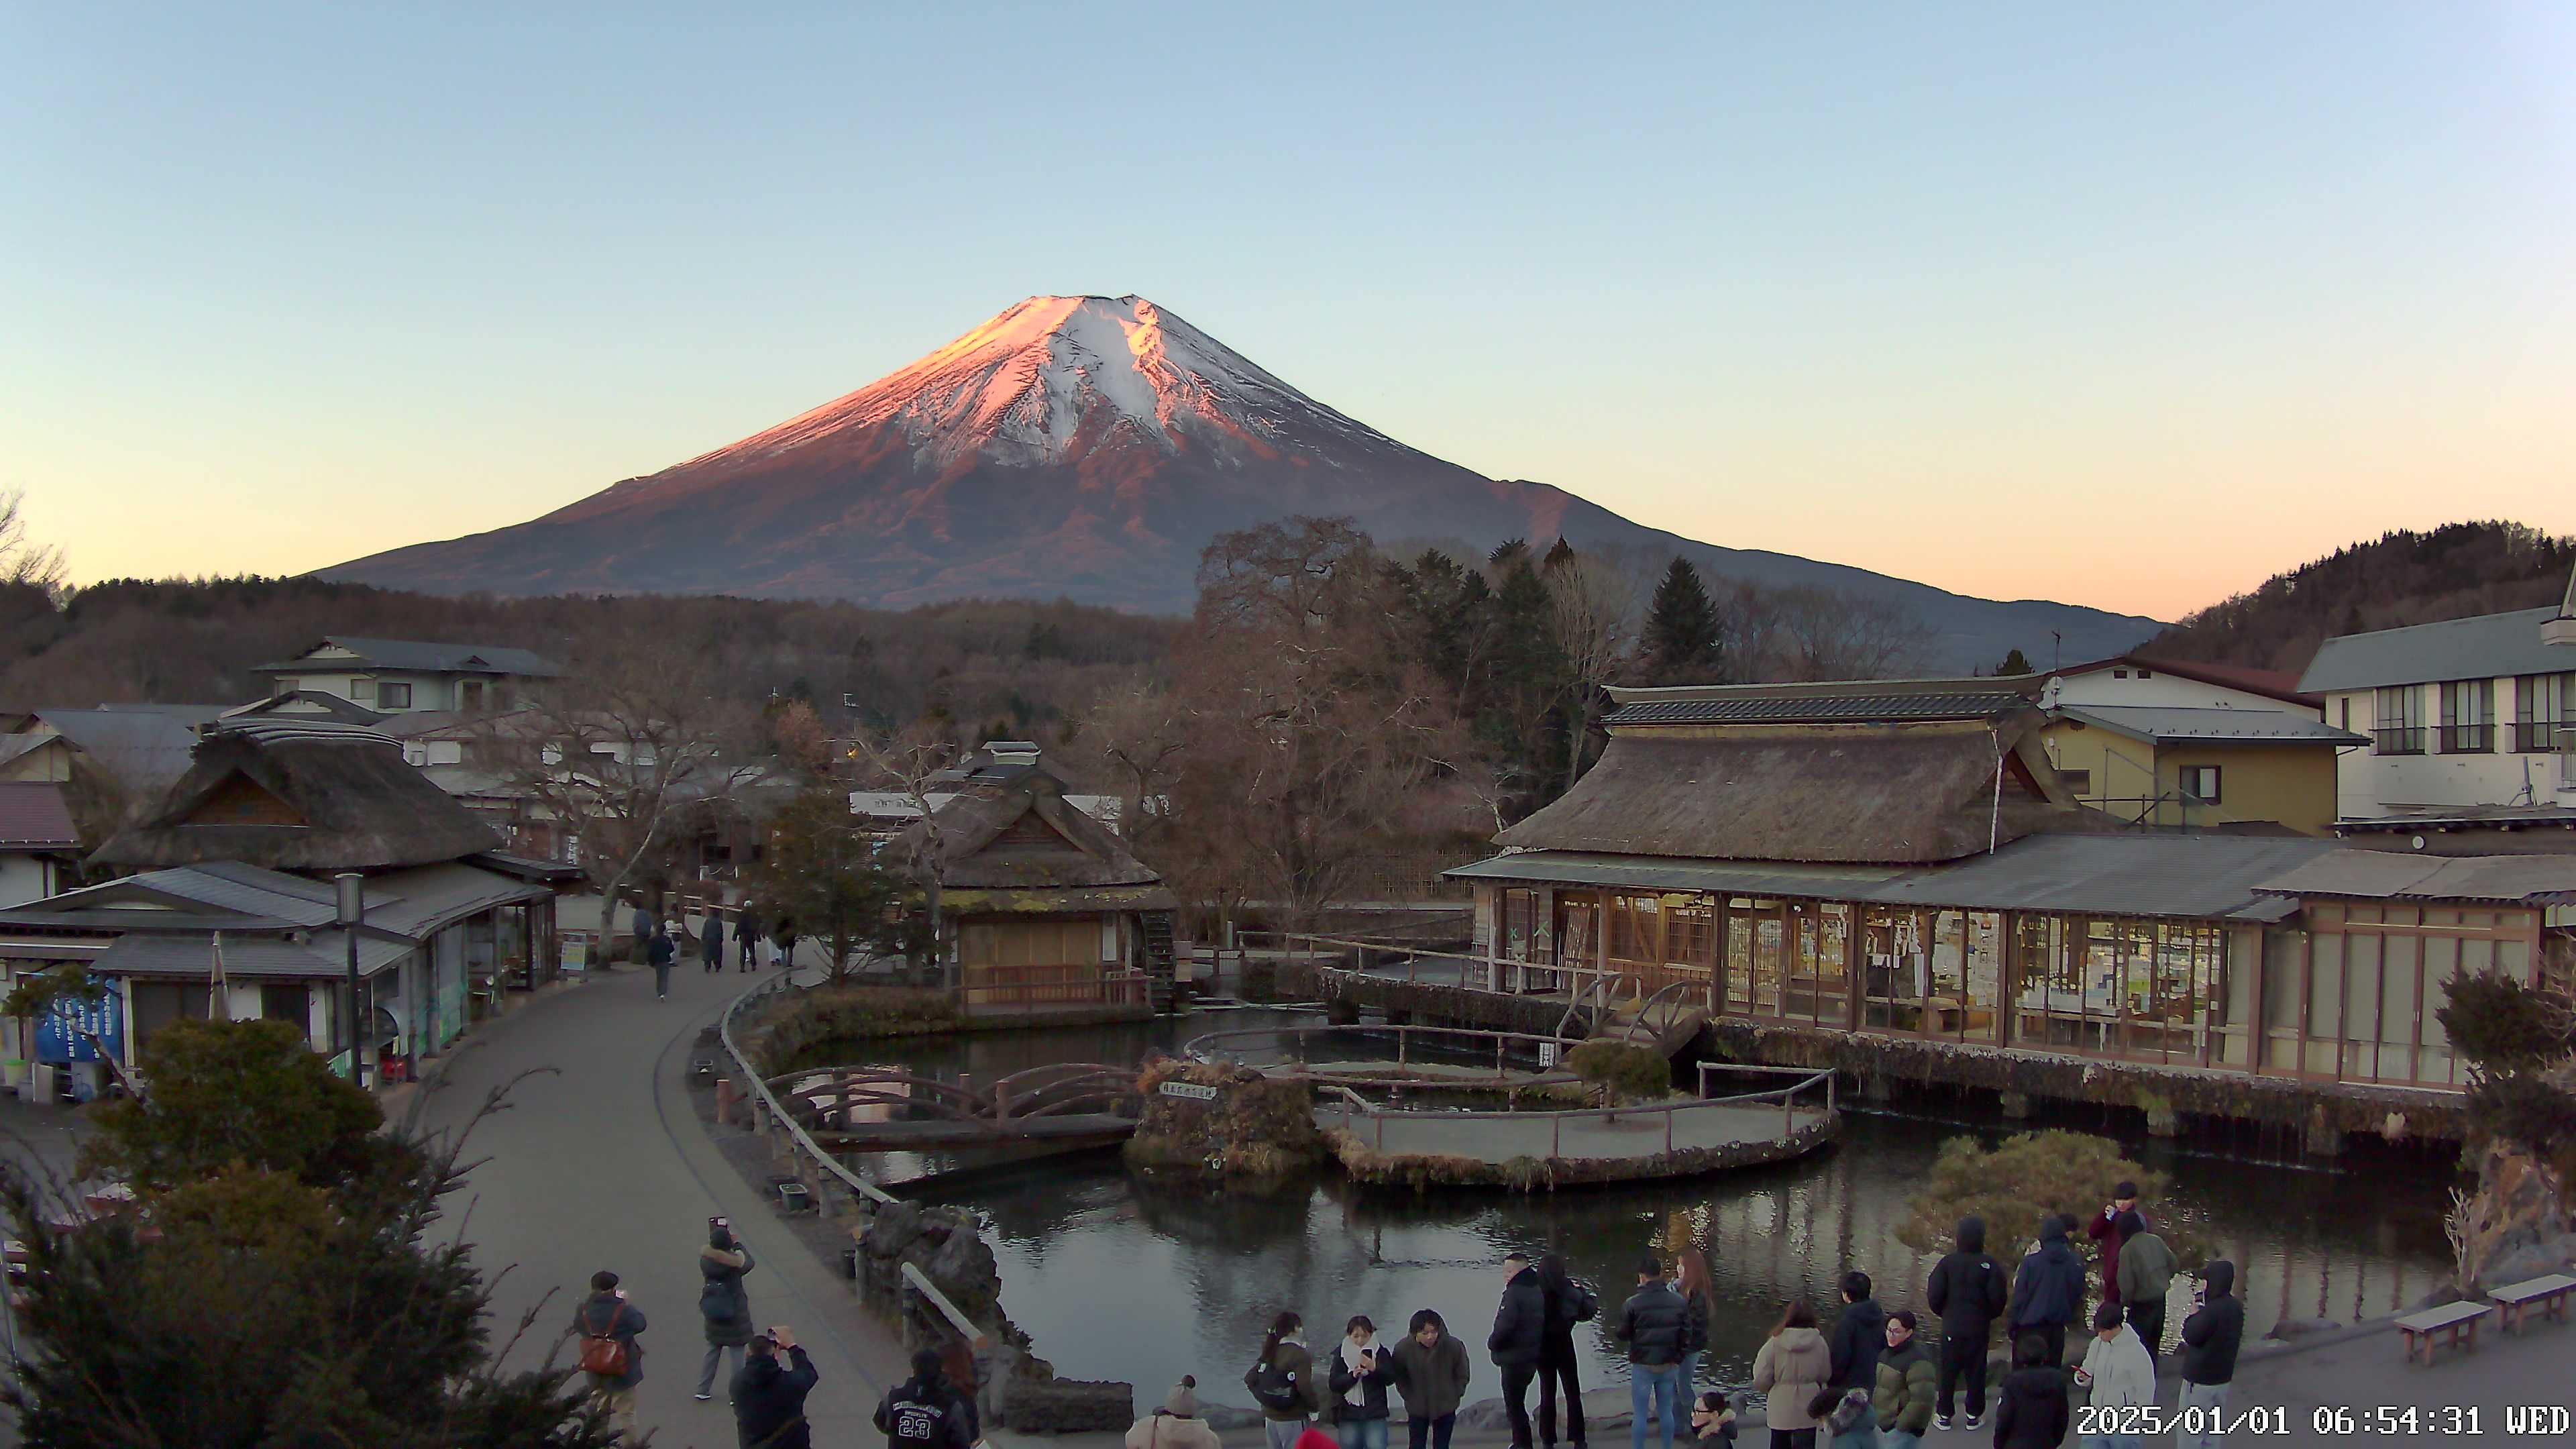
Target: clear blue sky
{"points": [[2123, 305]]}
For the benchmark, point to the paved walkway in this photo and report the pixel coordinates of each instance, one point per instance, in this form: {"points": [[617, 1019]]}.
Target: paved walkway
{"points": [[602, 1163]]}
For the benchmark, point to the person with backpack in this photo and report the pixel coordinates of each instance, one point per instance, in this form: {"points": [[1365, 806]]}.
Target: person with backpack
{"points": [[1698, 1288], [1652, 1325], [1902, 1399], [1566, 1303], [2048, 1290], [2032, 1412], [1789, 1372], [1967, 1289], [2210, 1338], [2146, 1274], [723, 1304], [1176, 1425], [1520, 1328], [1357, 1380], [609, 1358], [1430, 1368], [769, 1399], [1860, 1335], [922, 1412], [1283, 1383]]}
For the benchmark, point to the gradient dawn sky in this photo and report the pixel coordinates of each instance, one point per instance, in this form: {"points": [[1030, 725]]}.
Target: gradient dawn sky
{"points": [[2122, 305]]}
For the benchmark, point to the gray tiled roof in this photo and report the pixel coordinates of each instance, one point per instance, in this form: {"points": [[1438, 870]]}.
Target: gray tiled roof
{"points": [[2386, 875], [1818, 709], [2176, 722], [191, 956], [2489, 646], [423, 657]]}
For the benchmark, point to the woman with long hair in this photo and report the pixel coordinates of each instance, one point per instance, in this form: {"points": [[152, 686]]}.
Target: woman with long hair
{"points": [[1698, 1288], [1568, 1303], [1282, 1381], [1789, 1372]]}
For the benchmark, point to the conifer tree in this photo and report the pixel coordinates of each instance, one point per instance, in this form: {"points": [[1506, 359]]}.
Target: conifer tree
{"points": [[1682, 638], [2015, 662]]}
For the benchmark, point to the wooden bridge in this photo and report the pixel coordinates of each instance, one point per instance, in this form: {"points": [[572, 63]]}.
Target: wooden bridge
{"points": [[1064, 1105]]}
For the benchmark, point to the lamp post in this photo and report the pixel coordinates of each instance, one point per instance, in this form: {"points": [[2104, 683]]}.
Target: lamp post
{"points": [[352, 910]]}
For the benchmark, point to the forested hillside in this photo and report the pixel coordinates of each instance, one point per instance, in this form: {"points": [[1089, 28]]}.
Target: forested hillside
{"points": [[2400, 578]]}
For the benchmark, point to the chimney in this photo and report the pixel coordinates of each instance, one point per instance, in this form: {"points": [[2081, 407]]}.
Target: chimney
{"points": [[2562, 630]]}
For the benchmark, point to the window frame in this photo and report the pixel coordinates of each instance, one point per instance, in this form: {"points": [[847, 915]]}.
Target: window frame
{"points": [[2397, 719], [2184, 776], [393, 694], [2468, 717]]}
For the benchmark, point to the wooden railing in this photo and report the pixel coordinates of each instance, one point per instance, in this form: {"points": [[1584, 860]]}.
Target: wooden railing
{"points": [[1787, 1097], [769, 1116], [1212, 1045]]}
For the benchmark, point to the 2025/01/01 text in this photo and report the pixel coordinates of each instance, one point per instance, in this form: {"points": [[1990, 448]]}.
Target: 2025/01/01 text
{"points": [[2147, 1421]]}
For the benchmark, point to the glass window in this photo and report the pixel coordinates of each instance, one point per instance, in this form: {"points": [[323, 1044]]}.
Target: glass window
{"points": [[2397, 720], [2468, 717], [2200, 782], [390, 695], [2542, 705]]}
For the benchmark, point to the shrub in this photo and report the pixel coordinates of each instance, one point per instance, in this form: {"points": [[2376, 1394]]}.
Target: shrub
{"points": [[2029, 1176], [1628, 1073]]}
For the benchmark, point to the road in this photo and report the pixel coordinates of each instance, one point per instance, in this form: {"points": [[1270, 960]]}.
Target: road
{"points": [[603, 1163]]}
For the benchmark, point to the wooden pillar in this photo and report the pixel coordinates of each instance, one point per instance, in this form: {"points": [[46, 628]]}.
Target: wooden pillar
{"points": [[1719, 937], [1856, 923]]}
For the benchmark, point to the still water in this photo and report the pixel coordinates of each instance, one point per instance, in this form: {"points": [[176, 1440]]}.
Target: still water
{"points": [[1119, 1279]]}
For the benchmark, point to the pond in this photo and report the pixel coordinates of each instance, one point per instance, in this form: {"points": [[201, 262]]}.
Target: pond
{"points": [[1119, 1279]]}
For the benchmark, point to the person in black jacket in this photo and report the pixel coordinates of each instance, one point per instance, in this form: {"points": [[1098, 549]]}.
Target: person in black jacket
{"points": [[1860, 1336], [1968, 1291], [923, 1411], [769, 1398], [1568, 1303], [1520, 1325], [2210, 1338], [2032, 1411], [746, 939], [2048, 1290], [1360, 1372], [1654, 1326]]}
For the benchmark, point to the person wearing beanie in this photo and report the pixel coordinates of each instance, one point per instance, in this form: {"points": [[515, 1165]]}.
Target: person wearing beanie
{"points": [[1176, 1425], [922, 1412], [2111, 1227]]}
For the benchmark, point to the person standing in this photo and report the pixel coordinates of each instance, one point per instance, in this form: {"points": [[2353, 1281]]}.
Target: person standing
{"points": [[2032, 1411], [1568, 1302], [1520, 1325], [922, 1412], [711, 940], [1651, 1324], [1698, 1288], [769, 1397], [1176, 1425], [610, 1358], [2146, 1274], [2048, 1291], [660, 951], [1283, 1383], [723, 1303], [2210, 1338], [1903, 1397], [746, 937], [1860, 1335], [1357, 1381], [643, 933], [1430, 1368], [1967, 1289], [2110, 1229], [1789, 1372], [2120, 1374], [1712, 1421]]}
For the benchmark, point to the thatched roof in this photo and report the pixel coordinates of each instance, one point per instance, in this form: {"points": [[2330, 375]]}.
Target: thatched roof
{"points": [[306, 796], [1888, 793], [1021, 835]]}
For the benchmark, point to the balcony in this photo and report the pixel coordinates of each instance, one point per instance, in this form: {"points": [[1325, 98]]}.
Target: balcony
{"points": [[2468, 739], [2407, 740]]}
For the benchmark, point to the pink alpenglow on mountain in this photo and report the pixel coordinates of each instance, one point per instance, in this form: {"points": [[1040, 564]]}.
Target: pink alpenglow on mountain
{"points": [[1076, 447]]}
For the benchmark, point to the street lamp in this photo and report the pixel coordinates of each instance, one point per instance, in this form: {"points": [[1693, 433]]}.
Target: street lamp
{"points": [[352, 910]]}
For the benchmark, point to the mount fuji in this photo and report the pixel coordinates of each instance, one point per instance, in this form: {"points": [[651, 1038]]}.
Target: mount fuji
{"points": [[1086, 448]]}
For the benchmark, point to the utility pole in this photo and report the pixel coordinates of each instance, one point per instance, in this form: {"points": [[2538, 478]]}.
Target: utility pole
{"points": [[352, 910]]}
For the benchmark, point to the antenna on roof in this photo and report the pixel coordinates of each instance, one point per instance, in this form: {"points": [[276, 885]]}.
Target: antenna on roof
{"points": [[2056, 647]]}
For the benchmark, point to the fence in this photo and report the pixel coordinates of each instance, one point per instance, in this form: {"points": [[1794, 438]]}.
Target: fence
{"points": [[1199, 1048], [1020, 988], [1557, 1117]]}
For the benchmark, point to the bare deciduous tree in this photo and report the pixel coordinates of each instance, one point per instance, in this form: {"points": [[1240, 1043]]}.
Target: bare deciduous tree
{"points": [[23, 561], [907, 764], [1134, 738], [1595, 608]]}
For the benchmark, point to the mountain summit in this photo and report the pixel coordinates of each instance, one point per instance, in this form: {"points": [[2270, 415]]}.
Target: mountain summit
{"points": [[1083, 447]]}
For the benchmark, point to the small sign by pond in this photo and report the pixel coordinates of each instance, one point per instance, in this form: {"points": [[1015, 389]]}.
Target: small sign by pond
{"points": [[1189, 1089], [1546, 1055]]}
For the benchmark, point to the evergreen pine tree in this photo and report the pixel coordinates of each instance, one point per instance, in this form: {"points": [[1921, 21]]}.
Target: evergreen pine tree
{"points": [[2015, 662], [1682, 640]]}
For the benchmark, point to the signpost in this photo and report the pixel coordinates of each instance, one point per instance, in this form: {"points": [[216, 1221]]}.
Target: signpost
{"points": [[1189, 1089], [1546, 1055]]}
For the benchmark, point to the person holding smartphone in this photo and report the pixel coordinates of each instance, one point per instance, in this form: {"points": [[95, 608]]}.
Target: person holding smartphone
{"points": [[723, 1303], [769, 1395], [1358, 1384]]}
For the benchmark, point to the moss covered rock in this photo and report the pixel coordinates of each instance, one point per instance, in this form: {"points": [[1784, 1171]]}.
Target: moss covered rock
{"points": [[1256, 1131]]}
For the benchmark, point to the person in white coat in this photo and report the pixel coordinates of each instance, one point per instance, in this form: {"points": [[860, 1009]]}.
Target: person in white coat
{"points": [[2117, 1369]]}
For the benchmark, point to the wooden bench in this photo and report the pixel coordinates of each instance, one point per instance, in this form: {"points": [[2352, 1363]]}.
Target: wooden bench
{"points": [[2442, 1327], [2549, 1292]]}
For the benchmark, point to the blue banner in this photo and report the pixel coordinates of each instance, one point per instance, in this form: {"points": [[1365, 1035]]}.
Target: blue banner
{"points": [[63, 1035]]}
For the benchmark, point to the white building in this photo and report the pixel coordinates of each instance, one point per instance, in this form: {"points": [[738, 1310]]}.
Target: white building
{"points": [[2472, 725], [397, 676]]}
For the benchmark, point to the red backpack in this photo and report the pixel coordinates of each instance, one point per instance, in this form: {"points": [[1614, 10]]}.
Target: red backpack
{"points": [[602, 1353]]}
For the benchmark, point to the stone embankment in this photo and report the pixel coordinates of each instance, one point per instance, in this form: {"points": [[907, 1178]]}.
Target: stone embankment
{"points": [[1228, 1123]]}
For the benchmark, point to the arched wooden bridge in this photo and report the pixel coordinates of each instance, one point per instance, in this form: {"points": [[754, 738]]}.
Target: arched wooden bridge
{"points": [[879, 1109]]}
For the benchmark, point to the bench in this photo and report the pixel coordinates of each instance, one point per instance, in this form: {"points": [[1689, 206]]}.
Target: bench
{"points": [[2442, 1327], [2549, 1292]]}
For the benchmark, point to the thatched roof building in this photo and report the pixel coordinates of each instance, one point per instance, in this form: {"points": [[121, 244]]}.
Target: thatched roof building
{"points": [[1016, 844], [301, 795]]}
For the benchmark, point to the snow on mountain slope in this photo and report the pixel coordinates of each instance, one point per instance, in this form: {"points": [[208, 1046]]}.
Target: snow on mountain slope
{"points": [[1085, 448]]}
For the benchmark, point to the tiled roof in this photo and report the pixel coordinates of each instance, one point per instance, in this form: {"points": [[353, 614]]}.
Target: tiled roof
{"points": [[2489, 646], [2386, 875], [420, 656], [34, 817], [1819, 709], [2182, 722]]}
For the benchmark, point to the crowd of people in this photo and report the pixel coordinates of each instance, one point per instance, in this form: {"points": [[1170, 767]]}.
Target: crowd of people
{"points": [[755, 943], [1874, 1379]]}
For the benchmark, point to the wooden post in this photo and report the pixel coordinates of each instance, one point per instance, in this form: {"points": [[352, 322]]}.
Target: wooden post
{"points": [[1669, 1115], [1788, 1114], [1556, 1134]]}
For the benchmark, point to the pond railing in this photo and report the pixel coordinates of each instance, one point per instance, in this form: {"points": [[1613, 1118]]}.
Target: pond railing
{"points": [[1787, 1097], [1405, 1033], [768, 1116]]}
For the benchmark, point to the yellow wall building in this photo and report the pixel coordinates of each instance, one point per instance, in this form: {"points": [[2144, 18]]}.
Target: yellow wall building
{"points": [[2200, 768]]}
